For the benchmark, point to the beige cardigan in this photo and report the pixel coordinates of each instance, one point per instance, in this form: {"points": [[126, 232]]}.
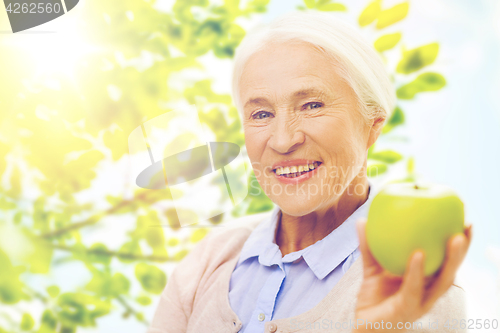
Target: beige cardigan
{"points": [[195, 298]]}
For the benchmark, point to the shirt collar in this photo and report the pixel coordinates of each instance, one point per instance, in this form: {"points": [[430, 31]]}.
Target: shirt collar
{"points": [[319, 256], [261, 240]]}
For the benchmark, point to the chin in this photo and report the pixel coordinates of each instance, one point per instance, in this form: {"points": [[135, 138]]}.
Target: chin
{"points": [[296, 205]]}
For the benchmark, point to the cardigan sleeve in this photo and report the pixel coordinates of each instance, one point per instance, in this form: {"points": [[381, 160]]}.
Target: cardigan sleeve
{"points": [[176, 301]]}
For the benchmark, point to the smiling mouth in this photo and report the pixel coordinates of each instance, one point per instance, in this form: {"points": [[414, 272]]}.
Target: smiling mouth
{"points": [[295, 170]]}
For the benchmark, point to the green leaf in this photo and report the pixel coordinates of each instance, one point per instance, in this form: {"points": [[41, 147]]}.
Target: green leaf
{"points": [[6, 204], [143, 300], [131, 248], [49, 320], [116, 140], [376, 169], [156, 239], [4, 149], [310, 3], [173, 241], [257, 6], [41, 258], [198, 235], [392, 15], [149, 228], [415, 59], [231, 5], [27, 322], [260, 202], [151, 278], [387, 156], [15, 184], [331, 7], [98, 254], [18, 217], [397, 118], [105, 285], [68, 329], [180, 254], [370, 13], [81, 309], [370, 150], [423, 83], [10, 285], [387, 42], [410, 167], [120, 284], [53, 291], [173, 219]]}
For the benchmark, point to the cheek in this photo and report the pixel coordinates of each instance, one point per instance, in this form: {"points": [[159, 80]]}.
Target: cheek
{"points": [[332, 135], [255, 142], [339, 142]]}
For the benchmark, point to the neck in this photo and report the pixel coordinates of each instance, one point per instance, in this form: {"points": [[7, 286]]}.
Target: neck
{"points": [[294, 233]]}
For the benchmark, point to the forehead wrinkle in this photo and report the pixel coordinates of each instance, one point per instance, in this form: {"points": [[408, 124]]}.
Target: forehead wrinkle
{"points": [[301, 93], [303, 70]]}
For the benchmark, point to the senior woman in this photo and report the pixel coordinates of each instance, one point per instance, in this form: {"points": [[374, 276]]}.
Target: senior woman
{"points": [[313, 98]]}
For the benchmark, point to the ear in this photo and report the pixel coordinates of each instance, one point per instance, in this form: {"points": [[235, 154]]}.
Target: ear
{"points": [[376, 125]]}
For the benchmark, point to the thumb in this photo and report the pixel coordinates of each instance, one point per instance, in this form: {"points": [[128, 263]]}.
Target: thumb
{"points": [[370, 264]]}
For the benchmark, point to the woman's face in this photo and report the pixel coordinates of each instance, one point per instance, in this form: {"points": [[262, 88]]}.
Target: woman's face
{"points": [[304, 135]]}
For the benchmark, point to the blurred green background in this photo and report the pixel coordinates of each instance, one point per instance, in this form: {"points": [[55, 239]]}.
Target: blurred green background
{"points": [[83, 250]]}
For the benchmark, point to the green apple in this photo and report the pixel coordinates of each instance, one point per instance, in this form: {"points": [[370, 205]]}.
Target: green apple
{"points": [[404, 217]]}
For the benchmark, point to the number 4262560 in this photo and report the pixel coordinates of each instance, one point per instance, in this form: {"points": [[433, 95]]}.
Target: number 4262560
{"points": [[472, 324], [33, 8]]}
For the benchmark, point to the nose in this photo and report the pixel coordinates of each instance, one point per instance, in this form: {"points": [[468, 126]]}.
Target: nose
{"points": [[286, 134]]}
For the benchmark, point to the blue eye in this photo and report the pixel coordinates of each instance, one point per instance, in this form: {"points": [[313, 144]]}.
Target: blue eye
{"points": [[314, 103], [261, 115]]}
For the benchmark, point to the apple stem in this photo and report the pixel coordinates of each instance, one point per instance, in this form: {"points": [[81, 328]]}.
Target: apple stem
{"points": [[416, 187]]}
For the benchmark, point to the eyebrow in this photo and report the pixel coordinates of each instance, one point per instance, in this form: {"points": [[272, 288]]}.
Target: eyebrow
{"points": [[298, 94]]}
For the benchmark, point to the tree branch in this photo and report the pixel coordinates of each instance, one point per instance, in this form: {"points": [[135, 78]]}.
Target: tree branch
{"points": [[122, 255], [93, 219], [131, 310]]}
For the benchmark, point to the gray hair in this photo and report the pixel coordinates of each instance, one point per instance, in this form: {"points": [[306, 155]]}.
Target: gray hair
{"points": [[360, 65]]}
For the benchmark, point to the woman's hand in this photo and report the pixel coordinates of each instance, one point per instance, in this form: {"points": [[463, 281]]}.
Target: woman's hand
{"points": [[389, 298]]}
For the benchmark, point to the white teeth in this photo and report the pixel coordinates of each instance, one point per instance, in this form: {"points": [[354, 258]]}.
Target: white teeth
{"points": [[294, 171]]}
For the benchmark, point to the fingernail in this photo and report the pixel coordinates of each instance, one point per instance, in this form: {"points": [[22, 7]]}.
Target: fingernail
{"points": [[461, 236], [419, 255]]}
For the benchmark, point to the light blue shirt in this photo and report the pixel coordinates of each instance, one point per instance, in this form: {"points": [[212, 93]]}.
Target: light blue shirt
{"points": [[266, 286]]}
